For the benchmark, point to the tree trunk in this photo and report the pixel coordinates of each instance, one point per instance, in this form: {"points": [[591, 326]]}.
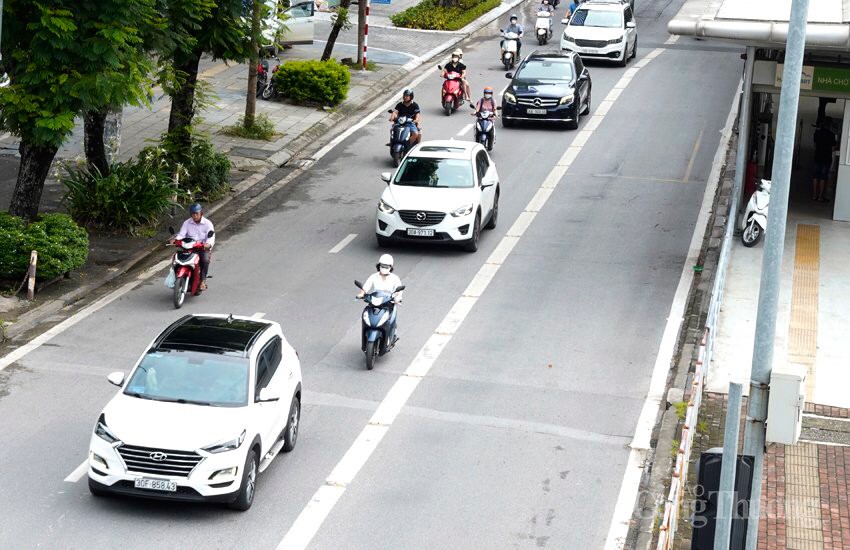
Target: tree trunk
{"points": [[35, 165], [337, 26], [251, 100], [112, 132], [183, 107], [93, 124], [361, 30]]}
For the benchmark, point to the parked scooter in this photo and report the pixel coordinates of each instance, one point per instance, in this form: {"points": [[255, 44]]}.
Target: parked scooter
{"points": [[543, 27], [754, 222], [485, 127], [452, 92], [399, 138], [186, 267], [266, 88], [510, 45], [379, 324]]}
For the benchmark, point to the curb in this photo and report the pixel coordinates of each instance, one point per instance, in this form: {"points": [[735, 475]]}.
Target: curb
{"points": [[297, 147]]}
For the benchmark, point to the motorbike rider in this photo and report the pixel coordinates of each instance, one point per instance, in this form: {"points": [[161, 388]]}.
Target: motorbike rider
{"points": [[486, 103], [384, 280], [545, 6], [197, 227], [514, 27], [456, 65], [409, 108]]}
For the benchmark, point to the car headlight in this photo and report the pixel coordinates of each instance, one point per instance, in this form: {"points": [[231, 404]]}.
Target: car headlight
{"points": [[568, 38], [223, 446], [566, 100], [384, 207], [103, 431], [463, 211], [510, 98], [615, 41]]}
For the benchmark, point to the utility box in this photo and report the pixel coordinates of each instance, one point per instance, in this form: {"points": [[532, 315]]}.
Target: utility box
{"points": [[786, 402], [704, 519]]}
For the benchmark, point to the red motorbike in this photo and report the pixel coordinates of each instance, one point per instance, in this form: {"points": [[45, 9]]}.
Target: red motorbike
{"points": [[186, 264], [452, 92]]}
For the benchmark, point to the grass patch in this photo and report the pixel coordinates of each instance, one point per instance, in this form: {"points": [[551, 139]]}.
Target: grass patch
{"points": [[353, 64], [681, 409], [674, 448], [702, 427], [429, 15], [263, 129]]}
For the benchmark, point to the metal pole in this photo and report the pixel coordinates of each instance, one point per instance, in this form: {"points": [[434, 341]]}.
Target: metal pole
{"points": [[366, 34], [743, 156], [727, 495], [754, 440]]}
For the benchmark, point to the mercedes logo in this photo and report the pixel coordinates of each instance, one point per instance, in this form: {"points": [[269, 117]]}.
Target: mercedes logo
{"points": [[158, 457], [537, 102], [420, 216]]}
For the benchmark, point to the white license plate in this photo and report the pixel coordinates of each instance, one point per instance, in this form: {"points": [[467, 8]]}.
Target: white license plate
{"points": [[590, 50], [420, 232], [536, 111], [155, 484]]}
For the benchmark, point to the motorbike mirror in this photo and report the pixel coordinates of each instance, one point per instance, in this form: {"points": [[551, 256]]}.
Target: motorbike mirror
{"points": [[171, 230], [386, 176], [440, 67], [358, 284], [210, 233], [471, 106], [399, 289], [116, 379], [509, 75], [498, 108], [390, 111]]}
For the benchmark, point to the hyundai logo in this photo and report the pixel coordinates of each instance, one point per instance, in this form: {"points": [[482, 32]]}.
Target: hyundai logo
{"points": [[158, 457], [420, 216]]}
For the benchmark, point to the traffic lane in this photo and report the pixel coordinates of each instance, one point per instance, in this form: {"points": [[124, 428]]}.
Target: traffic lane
{"points": [[471, 485]]}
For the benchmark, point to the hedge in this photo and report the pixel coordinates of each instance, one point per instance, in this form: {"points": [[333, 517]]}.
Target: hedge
{"points": [[62, 245], [429, 15], [324, 82]]}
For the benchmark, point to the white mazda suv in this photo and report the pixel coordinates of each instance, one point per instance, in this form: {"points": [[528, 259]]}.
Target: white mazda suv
{"points": [[443, 192], [207, 407]]}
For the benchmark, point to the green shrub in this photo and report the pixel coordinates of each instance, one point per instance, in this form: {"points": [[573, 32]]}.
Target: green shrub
{"points": [[262, 129], [428, 15], [62, 245], [324, 82], [135, 193], [207, 171]]}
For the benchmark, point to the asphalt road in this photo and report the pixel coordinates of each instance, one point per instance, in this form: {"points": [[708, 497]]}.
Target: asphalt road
{"points": [[517, 436]]}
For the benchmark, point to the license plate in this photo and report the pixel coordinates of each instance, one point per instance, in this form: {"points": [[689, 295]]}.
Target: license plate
{"points": [[155, 484], [420, 232], [536, 111]]}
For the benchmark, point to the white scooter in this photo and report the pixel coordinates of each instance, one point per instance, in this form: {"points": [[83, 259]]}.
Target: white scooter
{"points": [[510, 45], [754, 222], [543, 27]]}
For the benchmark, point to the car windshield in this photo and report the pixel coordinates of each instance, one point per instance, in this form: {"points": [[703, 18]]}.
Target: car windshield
{"points": [[545, 69], [435, 172], [597, 18], [191, 377]]}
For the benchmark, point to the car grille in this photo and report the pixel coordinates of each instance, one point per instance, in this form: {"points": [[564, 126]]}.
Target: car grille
{"points": [[591, 43], [537, 102], [421, 218], [174, 463]]}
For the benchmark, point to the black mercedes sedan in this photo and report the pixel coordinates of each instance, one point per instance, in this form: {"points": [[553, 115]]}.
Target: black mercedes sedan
{"points": [[548, 86]]}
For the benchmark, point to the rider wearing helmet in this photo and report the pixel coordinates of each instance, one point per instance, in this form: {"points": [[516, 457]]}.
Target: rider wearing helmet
{"points": [[486, 103], [409, 108], [198, 228], [545, 6], [456, 65], [515, 27], [384, 281]]}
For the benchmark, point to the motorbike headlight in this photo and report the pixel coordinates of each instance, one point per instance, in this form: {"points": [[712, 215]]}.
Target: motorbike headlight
{"points": [[510, 98], [463, 211], [103, 431], [566, 100], [377, 300], [227, 445], [385, 208]]}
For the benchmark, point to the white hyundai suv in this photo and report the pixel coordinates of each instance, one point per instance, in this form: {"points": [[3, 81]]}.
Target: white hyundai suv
{"points": [[602, 30], [443, 192], [207, 407]]}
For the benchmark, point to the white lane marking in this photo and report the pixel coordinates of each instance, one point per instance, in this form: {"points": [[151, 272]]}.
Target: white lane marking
{"points": [[640, 444], [672, 40], [78, 472], [46, 336], [258, 315], [465, 129], [613, 94], [693, 156], [342, 244], [602, 108], [308, 522], [410, 55], [623, 82]]}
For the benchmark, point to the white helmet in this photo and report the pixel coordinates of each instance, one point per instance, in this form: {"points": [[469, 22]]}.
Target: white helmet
{"points": [[385, 264]]}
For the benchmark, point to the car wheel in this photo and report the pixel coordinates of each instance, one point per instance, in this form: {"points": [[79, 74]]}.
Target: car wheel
{"points": [[472, 244], [95, 490], [634, 49], [587, 103], [622, 62], [290, 433], [494, 215], [245, 498], [383, 242]]}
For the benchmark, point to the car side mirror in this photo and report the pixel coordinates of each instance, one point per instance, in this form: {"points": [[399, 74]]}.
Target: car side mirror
{"points": [[509, 75], [116, 379], [630, 25], [386, 176], [267, 395]]}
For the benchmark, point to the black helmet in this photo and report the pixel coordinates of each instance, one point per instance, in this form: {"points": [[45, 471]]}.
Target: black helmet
{"points": [[408, 92]]}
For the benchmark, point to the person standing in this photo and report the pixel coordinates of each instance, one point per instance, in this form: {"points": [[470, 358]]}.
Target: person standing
{"points": [[825, 143]]}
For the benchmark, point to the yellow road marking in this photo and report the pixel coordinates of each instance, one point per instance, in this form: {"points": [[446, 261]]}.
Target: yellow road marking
{"points": [[803, 327]]}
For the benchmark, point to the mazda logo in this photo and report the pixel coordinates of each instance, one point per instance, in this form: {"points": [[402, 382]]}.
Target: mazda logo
{"points": [[537, 101], [420, 216], [158, 457]]}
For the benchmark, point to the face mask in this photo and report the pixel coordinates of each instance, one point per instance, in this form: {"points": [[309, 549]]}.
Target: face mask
{"points": [[385, 271], [488, 96], [455, 59]]}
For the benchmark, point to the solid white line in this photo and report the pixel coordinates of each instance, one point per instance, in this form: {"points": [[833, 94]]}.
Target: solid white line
{"points": [[410, 55], [46, 336], [673, 39], [693, 156], [465, 129], [78, 473], [258, 315], [342, 243], [640, 444]]}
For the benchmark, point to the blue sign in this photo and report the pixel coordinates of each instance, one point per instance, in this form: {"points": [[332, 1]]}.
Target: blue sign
{"points": [[387, 2]]}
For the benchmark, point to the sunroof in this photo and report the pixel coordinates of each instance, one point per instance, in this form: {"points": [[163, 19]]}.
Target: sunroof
{"points": [[436, 148], [213, 333]]}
